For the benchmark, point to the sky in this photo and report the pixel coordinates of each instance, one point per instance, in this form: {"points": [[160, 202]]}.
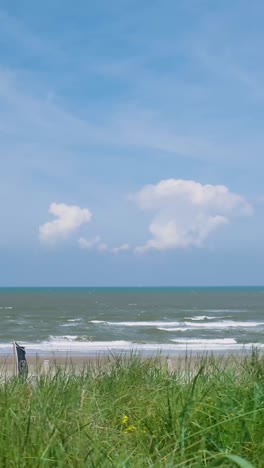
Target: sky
{"points": [[131, 143]]}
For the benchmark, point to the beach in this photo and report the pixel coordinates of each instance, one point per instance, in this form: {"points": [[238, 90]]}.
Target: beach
{"points": [[185, 363], [141, 377]]}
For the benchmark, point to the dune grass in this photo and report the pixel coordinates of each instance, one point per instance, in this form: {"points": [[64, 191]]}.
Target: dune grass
{"points": [[137, 413]]}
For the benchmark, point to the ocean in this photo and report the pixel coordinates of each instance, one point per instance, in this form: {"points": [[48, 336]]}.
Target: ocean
{"points": [[149, 320]]}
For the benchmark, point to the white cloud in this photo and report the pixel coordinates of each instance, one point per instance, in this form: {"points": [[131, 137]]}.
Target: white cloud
{"points": [[93, 244], [187, 212], [96, 244], [121, 248], [89, 243], [69, 219]]}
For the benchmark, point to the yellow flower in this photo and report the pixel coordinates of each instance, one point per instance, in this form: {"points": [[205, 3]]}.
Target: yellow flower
{"points": [[125, 420], [130, 429]]}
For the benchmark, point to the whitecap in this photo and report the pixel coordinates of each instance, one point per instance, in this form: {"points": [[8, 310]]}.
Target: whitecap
{"points": [[136, 324], [69, 344], [74, 324], [174, 329], [61, 339], [217, 341], [224, 324]]}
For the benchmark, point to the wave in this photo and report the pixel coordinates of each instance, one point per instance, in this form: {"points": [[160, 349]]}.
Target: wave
{"points": [[71, 324], [182, 326], [69, 345], [56, 339], [69, 338], [174, 329], [225, 324], [211, 325], [206, 317], [224, 341], [136, 324]]}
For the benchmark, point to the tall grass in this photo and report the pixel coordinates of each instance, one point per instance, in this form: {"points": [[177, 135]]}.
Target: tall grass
{"points": [[136, 413]]}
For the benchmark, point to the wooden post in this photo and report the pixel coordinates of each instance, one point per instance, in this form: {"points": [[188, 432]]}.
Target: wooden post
{"points": [[45, 367], [169, 366], [15, 359]]}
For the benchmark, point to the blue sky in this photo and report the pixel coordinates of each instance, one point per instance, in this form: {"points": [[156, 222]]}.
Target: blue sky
{"points": [[119, 123]]}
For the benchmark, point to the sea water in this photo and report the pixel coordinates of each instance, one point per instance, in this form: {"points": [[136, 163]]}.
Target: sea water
{"points": [[99, 320]]}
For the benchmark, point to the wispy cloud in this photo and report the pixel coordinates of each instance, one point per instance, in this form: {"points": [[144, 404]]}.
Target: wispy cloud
{"points": [[39, 120], [96, 244], [89, 244], [121, 248], [159, 123]]}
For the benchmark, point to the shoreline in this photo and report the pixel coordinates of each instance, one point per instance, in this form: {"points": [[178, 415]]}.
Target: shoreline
{"points": [[121, 347], [69, 357], [91, 356]]}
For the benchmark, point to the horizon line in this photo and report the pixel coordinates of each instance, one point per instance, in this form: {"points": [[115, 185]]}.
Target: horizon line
{"points": [[133, 286]]}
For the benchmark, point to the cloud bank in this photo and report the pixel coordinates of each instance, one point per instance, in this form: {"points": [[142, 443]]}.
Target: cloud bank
{"points": [[69, 219], [187, 212]]}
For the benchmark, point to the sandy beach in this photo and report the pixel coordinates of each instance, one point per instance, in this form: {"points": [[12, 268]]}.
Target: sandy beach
{"points": [[69, 364]]}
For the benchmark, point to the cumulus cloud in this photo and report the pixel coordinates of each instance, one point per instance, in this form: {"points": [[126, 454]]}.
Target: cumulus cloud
{"points": [[187, 212], [69, 219]]}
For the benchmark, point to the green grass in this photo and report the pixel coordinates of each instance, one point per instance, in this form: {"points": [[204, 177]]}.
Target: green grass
{"points": [[135, 413]]}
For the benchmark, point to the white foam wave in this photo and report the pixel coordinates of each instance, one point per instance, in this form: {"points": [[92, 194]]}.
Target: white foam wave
{"points": [[174, 329], [224, 324], [72, 324], [170, 326], [74, 320], [224, 341], [61, 344], [136, 324], [61, 339]]}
